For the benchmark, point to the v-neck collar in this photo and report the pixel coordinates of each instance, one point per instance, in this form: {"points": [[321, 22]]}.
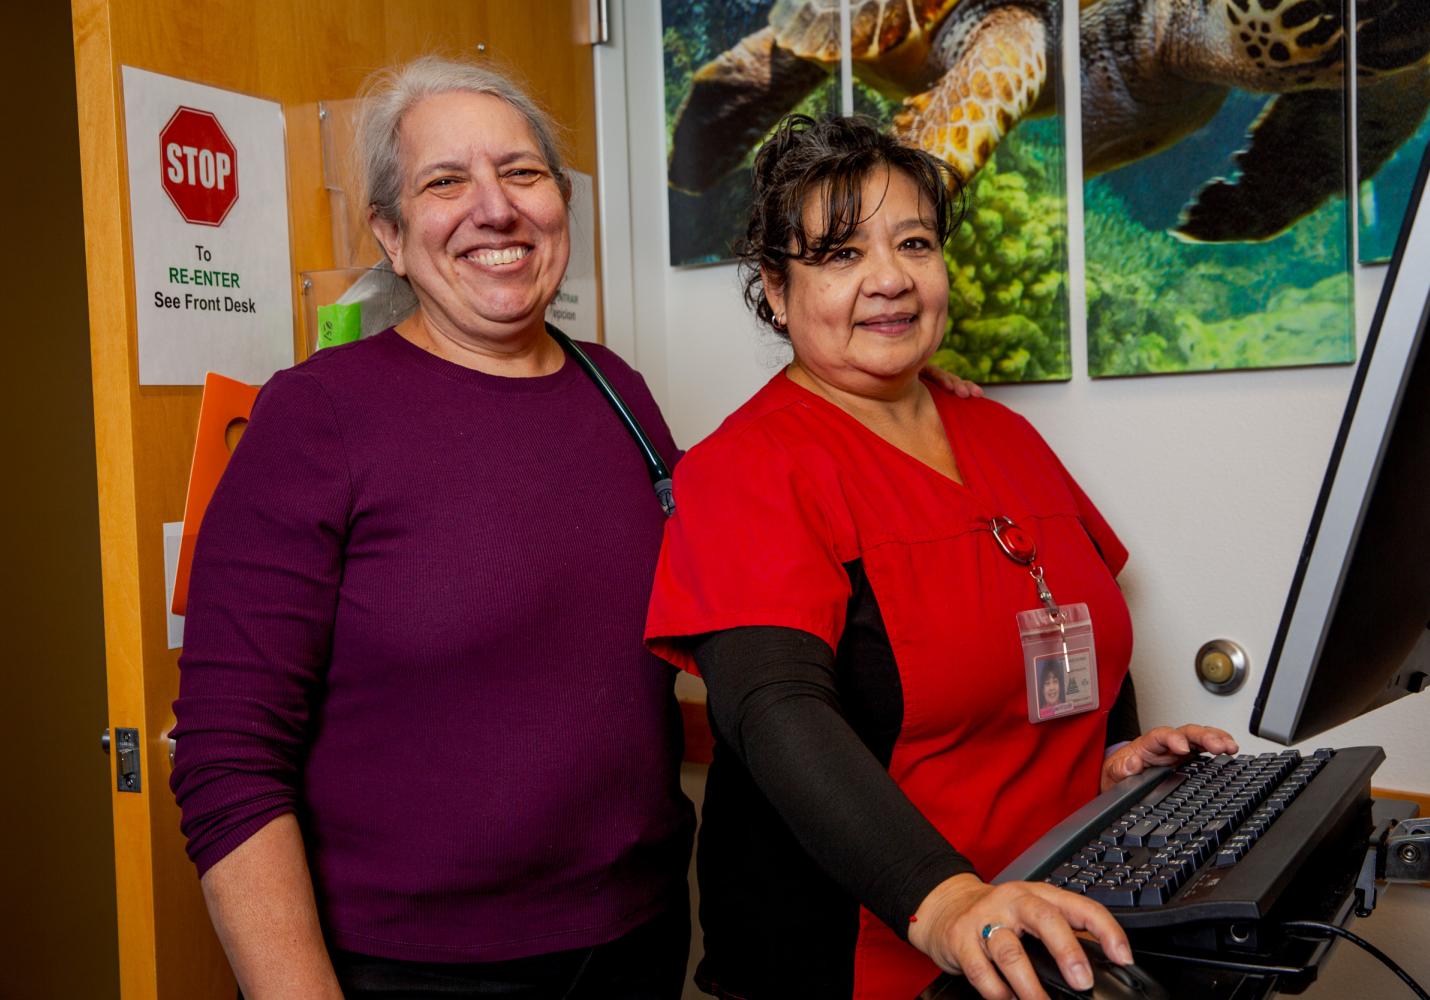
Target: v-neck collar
{"points": [[950, 432]]}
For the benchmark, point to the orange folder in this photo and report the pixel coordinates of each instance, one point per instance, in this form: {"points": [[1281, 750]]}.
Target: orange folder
{"points": [[223, 414]]}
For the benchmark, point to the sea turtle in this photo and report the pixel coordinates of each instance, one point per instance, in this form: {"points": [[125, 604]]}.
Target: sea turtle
{"points": [[1154, 71], [970, 69]]}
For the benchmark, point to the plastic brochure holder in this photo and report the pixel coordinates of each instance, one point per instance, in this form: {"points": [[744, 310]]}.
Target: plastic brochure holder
{"points": [[353, 242], [223, 413], [347, 303]]}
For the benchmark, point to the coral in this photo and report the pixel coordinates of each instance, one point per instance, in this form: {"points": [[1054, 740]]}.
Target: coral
{"points": [[1007, 265], [1132, 330], [1155, 304], [1298, 326]]}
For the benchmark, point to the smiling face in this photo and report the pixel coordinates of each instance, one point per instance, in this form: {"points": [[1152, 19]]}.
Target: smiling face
{"points": [[484, 238], [866, 318], [1052, 690]]}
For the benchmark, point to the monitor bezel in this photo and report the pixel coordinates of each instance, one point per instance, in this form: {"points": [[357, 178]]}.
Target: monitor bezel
{"points": [[1372, 405]]}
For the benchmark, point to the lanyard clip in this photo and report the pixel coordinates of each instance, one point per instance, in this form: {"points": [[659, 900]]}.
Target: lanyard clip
{"points": [[1045, 595]]}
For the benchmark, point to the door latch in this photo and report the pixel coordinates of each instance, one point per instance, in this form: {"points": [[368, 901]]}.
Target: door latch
{"points": [[126, 767]]}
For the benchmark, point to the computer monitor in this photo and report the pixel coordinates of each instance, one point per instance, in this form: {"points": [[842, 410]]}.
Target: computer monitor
{"points": [[1355, 633]]}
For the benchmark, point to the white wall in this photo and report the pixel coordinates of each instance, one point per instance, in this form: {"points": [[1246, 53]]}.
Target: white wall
{"points": [[1210, 479]]}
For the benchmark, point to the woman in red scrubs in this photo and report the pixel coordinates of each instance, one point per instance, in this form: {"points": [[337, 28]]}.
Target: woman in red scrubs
{"points": [[865, 569]]}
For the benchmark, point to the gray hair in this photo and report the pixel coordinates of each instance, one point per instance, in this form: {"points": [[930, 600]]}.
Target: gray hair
{"points": [[390, 93]]}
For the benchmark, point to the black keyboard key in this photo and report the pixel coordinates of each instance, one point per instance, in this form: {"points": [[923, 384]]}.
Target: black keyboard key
{"points": [[1138, 832], [1112, 895], [1229, 855], [1155, 892], [1174, 874], [1162, 835], [1217, 830]]}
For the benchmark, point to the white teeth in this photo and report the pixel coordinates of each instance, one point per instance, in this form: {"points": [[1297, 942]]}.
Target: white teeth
{"points": [[506, 255]]}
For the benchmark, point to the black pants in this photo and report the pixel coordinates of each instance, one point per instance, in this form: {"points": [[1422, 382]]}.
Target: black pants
{"points": [[646, 964]]}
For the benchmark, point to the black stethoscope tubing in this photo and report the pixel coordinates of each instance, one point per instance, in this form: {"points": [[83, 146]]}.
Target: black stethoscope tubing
{"points": [[655, 465]]}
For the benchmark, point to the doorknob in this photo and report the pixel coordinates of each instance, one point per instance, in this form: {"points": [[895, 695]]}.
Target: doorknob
{"points": [[104, 741]]}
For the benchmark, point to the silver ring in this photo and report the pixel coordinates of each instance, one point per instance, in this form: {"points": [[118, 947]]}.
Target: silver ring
{"points": [[989, 929]]}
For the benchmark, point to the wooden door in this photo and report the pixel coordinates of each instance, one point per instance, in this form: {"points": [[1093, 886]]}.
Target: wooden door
{"points": [[298, 53]]}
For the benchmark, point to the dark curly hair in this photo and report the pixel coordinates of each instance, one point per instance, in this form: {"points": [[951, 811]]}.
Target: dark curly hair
{"points": [[830, 158]]}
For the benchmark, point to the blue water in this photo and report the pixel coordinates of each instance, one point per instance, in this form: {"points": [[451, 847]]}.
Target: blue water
{"points": [[1389, 192]]}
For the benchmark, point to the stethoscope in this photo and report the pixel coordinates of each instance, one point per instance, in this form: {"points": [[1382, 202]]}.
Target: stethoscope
{"points": [[655, 465]]}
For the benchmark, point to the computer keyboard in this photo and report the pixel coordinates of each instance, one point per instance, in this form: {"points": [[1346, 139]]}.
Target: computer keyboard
{"points": [[1216, 840]]}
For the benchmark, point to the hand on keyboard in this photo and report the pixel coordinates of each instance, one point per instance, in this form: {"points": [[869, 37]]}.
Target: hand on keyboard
{"points": [[1162, 746], [951, 922]]}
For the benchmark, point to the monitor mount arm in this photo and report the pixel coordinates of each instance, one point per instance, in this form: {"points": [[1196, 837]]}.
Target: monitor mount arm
{"points": [[1414, 674], [1398, 851]]}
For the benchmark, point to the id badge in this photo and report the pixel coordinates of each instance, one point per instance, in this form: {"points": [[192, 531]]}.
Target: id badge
{"points": [[1059, 662]]}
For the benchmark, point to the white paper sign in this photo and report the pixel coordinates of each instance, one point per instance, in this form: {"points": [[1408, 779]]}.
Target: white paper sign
{"points": [[574, 308], [208, 200], [173, 540]]}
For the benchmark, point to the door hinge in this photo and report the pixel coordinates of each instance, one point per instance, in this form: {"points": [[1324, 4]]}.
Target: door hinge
{"points": [[600, 22]]}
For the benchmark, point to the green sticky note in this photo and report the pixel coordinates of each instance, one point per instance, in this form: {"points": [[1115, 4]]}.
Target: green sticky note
{"points": [[339, 323]]}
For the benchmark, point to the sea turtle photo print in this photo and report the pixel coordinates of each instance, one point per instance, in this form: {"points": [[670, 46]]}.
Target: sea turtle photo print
{"points": [[973, 81], [1219, 121], [1223, 123], [1156, 71]]}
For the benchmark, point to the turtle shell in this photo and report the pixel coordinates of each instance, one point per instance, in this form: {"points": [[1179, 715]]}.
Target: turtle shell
{"points": [[810, 28]]}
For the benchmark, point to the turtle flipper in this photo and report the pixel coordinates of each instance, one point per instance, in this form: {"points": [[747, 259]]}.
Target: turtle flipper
{"points": [[1296, 161], [1389, 111], [734, 100], [994, 79], [1391, 35]]}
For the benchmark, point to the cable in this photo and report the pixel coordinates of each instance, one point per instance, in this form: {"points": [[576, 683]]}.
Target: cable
{"points": [[1320, 929], [655, 465]]}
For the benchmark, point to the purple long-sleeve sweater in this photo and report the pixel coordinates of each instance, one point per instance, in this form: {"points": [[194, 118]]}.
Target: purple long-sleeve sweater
{"points": [[415, 622]]}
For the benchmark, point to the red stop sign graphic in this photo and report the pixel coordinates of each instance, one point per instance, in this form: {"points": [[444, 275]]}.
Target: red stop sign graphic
{"points": [[199, 166]]}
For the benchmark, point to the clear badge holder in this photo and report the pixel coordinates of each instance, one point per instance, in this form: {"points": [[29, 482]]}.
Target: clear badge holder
{"points": [[1059, 661]]}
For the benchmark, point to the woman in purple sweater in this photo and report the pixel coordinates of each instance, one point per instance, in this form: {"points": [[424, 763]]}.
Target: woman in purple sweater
{"points": [[421, 748]]}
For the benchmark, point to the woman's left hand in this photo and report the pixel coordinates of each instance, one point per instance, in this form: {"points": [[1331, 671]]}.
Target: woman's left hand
{"points": [[960, 387], [1163, 745]]}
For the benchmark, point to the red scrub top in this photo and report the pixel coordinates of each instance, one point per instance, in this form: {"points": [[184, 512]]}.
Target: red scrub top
{"points": [[791, 488]]}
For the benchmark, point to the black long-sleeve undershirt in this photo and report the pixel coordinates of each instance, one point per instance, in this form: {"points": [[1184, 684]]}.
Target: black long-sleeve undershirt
{"points": [[773, 700], [1123, 726]]}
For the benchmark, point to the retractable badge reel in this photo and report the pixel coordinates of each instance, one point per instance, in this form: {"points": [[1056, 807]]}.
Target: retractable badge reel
{"points": [[1059, 656]]}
